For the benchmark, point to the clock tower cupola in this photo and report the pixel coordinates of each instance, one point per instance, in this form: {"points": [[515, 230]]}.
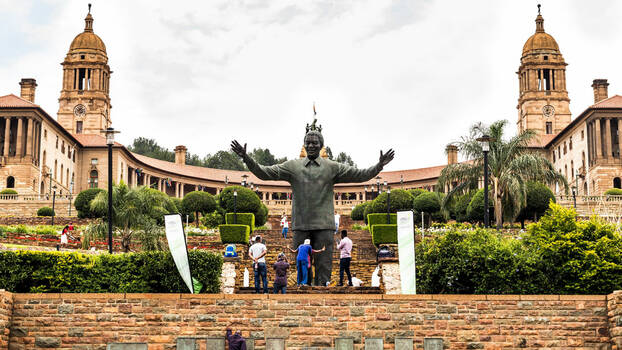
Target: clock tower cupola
{"points": [[84, 103], [543, 103]]}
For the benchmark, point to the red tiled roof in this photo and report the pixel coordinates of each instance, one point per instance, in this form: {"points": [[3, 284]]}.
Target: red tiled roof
{"points": [[614, 101], [541, 141], [11, 101], [93, 140]]}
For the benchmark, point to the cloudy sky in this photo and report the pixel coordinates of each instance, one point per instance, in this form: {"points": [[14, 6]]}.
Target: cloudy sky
{"points": [[408, 74]]}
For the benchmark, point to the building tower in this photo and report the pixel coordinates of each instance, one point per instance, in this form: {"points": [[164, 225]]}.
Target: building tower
{"points": [[84, 103], [543, 103]]}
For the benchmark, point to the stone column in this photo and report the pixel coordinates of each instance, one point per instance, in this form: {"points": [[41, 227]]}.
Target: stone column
{"points": [[608, 143], [7, 130], [160, 184], [181, 190], [29, 137], [620, 138], [598, 146], [18, 139], [263, 196], [196, 187], [270, 196], [176, 189]]}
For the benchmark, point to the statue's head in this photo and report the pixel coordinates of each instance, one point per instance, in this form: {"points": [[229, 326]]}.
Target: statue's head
{"points": [[314, 141]]}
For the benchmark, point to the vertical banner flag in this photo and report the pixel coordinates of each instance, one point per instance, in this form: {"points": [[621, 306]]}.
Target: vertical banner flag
{"points": [[406, 249], [177, 244]]}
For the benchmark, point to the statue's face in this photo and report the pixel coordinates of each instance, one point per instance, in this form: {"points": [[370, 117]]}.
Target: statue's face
{"points": [[313, 146]]}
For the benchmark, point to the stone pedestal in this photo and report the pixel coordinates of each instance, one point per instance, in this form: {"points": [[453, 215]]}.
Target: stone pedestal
{"points": [[390, 272], [227, 277]]}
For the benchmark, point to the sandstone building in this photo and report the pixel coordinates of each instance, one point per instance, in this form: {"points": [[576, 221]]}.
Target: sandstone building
{"points": [[40, 154]]}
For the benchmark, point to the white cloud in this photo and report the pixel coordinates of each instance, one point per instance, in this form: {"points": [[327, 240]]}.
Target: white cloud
{"points": [[412, 75]]}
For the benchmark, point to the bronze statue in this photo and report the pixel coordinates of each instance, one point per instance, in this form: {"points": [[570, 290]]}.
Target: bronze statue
{"points": [[312, 179]]}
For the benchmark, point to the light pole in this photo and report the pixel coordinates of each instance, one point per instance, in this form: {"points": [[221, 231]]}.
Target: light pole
{"points": [[53, 203], [485, 142], [244, 183], [235, 206], [574, 196], [378, 186], [109, 142], [70, 195]]}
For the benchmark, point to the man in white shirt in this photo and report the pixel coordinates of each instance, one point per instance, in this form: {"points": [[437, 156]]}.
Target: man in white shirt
{"points": [[337, 218], [284, 225], [257, 252]]}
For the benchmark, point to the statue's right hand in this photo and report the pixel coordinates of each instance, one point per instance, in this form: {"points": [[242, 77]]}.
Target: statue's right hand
{"points": [[238, 149]]}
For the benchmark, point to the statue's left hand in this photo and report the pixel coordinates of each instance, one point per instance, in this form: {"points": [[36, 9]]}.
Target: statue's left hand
{"points": [[385, 158]]}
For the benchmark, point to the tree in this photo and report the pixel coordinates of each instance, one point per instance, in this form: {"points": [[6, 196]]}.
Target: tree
{"points": [[150, 148], [247, 201], [135, 210], [510, 165], [263, 156], [198, 202], [342, 157], [224, 160], [475, 210], [538, 198], [83, 202]]}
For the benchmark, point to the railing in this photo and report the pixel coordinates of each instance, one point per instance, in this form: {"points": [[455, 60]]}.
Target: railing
{"points": [[569, 198], [338, 203], [34, 197]]}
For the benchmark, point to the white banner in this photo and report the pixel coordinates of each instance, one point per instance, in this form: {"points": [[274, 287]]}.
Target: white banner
{"points": [[177, 244], [406, 250]]}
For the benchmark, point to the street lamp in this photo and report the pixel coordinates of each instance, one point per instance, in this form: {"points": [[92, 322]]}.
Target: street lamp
{"points": [[244, 177], [485, 143], [235, 206], [53, 202], [70, 195], [109, 132], [378, 185], [574, 196]]}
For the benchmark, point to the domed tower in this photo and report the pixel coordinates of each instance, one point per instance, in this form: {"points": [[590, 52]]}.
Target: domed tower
{"points": [[84, 103], [543, 103]]}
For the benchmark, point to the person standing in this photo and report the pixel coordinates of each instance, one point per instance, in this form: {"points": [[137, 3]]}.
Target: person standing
{"points": [[257, 252], [337, 218], [280, 273], [345, 257], [302, 260], [284, 225]]}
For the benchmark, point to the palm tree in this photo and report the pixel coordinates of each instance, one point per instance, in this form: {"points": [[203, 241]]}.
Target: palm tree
{"points": [[510, 165], [137, 211]]}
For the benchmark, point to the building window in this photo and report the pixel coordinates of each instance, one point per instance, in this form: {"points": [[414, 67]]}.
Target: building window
{"points": [[565, 149], [55, 167], [572, 169], [93, 179], [79, 127], [57, 142], [62, 147], [93, 161], [553, 156], [44, 156], [45, 134], [10, 182], [617, 183], [570, 144], [549, 128], [582, 135], [61, 174]]}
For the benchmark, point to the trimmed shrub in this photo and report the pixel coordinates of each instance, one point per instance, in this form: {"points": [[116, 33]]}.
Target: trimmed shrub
{"points": [[427, 202], [381, 219], [45, 211], [247, 202], [460, 206], [247, 219], [384, 234], [415, 192], [83, 202], [145, 272], [400, 200], [8, 191], [538, 198], [213, 219], [358, 213], [261, 217], [234, 234], [613, 192], [198, 202]]}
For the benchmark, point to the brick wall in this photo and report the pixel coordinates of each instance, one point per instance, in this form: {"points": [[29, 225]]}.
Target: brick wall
{"points": [[6, 306], [615, 319], [90, 321], [29, 208]]}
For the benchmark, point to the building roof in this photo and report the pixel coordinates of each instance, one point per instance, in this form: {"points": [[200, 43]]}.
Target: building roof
{"points": [[91, 140], [88, 39], [540, 41], [12, 101], [614, 101]]}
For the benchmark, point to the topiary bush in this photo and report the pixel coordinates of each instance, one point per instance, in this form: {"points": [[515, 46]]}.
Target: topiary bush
{"points": [[475, 210], [234, 233], [198, 202], [415, 192], [145, 272], [613, 192], [378, 218], [247, 219], [247, 202], [83, 202], [358, 213], [261, 217], [427, 202], [460, 206], [400, 200], [213, 219], [8, 191], [538, 198], [384, 234], [45, 211]]}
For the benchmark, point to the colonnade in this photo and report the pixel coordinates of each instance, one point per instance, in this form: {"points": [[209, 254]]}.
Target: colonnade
{"points": [[604, 138], [21, 137]]}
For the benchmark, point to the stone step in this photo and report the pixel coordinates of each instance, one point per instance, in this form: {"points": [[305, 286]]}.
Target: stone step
{"points": [[319, 290]]}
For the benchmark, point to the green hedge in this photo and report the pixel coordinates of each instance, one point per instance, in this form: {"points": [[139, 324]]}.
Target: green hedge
{"points": [[145, 272], [613, 192], [358, 213], [375, 219], [83, 202], [243, 219], [234, 233], [45, 211], [8, 191], [384, 234]]}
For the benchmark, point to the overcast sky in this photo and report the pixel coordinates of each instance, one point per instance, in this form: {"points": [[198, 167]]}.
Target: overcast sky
{"points": [[408, 74]]}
